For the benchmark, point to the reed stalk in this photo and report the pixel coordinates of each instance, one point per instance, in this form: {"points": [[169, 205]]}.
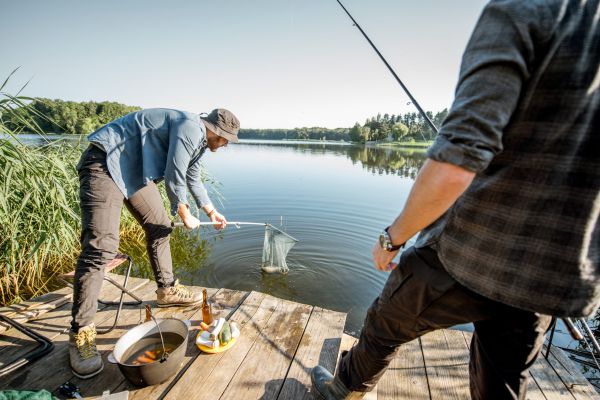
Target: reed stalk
{"points": [[39, 207]]}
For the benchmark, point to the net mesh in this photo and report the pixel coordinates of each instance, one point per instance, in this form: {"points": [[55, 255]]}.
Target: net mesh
{"points": [[275, 249]]}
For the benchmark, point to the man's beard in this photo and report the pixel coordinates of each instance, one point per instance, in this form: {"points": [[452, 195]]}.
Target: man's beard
{"points": [[212, 144]]}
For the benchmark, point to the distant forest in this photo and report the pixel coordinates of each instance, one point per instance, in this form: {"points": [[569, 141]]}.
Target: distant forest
{"points": [[58, 116], [69, 117]]}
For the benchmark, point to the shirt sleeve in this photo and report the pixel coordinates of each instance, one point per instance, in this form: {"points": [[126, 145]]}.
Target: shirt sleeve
{"points": [[495, 66], [184, 135], [194, 182]]}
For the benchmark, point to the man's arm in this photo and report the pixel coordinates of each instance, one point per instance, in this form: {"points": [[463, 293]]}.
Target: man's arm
{"points": [[494, 67], [435, 190], [181, 147], [194, 181]]}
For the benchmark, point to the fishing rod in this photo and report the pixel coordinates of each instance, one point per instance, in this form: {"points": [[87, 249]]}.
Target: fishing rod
{"points": [[412, 99], [574, 332]]}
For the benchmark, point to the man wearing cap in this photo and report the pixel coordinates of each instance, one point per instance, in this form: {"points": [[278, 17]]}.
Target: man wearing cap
{"points": [[124, 162]]}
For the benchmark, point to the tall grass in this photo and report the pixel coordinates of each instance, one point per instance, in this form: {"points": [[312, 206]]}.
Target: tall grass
{"points": [[39, 214]]}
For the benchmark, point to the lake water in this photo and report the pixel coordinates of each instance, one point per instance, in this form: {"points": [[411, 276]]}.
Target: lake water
{"points": [[333, 199]]}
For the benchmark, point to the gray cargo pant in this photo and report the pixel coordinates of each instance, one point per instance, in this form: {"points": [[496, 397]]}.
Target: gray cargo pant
{"points": [[101, 203], [420, 297]]}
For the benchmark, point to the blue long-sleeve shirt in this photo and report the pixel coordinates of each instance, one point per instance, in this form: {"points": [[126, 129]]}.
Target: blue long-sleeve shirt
{"points": [[155, 144]]}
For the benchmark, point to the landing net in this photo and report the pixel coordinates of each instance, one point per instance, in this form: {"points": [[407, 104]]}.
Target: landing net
{"points": [[276, 247]]}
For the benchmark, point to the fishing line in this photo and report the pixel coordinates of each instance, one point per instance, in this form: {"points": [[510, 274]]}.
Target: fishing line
{"points": [[413, 100]]}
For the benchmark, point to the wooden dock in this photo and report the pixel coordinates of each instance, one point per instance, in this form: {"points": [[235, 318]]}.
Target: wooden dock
{"points": [[281, 341]]}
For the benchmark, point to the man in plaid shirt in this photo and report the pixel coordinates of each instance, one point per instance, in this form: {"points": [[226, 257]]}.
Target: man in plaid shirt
{"points": [[507, 204]]}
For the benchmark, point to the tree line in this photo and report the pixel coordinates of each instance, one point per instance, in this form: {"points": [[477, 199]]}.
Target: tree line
{"points": [[70, 117], [408, 127], [314, 133]]}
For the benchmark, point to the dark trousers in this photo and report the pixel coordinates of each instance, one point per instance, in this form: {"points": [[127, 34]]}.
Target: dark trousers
{"points": [[101, 203], [420, 297]]}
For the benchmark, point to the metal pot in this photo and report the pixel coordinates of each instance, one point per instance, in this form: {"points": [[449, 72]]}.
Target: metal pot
{"points": [[159, 370]]}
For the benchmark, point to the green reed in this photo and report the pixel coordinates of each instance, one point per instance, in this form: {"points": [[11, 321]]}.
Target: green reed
{"points": [[39, 207], [39, 219]]}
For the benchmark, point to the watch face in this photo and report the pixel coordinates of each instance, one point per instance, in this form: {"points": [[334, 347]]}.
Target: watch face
{"points": [[382, 241]]}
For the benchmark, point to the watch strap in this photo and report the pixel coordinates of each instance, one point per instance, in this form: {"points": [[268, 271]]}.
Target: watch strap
{"points": [[392, 247]]}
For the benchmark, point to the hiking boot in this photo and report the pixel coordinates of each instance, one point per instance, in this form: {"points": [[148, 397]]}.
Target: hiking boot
{"points": [[83, 355], [330, 387], [177, 295]]}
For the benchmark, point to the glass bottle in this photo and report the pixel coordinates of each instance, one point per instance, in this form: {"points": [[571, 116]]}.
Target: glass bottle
{"points": [[207, 316]]}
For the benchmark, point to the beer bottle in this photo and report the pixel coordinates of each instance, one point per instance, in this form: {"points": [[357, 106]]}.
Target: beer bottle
{"points": [[207, 316]]}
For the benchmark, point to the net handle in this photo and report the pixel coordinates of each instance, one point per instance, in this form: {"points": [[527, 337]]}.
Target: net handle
{"points": [[237, 224], [180, 224]]}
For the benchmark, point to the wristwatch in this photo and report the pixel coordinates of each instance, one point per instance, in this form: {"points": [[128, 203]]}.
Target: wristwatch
{"points": [[385, 241]]}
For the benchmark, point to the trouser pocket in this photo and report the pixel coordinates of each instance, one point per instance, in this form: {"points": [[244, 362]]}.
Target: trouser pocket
{"points": [[418, 281]]}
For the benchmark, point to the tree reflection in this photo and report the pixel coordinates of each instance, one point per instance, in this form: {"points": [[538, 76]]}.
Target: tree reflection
{"points": [[189, 251], [386, 161], [377, 160]]}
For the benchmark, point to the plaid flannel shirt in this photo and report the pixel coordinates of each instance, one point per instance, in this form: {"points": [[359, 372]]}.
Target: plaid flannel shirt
{"points": [[526, 119]]}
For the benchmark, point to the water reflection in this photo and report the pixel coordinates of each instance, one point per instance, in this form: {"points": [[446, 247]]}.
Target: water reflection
{"points": [[377, 160], [404, 163], [189, 252]]}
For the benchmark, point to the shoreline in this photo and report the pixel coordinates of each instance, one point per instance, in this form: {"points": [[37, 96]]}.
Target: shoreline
{"points": [[408, 145]]}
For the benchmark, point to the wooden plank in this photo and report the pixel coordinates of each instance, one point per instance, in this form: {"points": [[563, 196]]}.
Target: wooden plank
{"points": [[533, 390], [346, 344], [212, 372], [273, 351], [548, 382], [53, 370], [56, 321], [33, 308], [38, 300], [447, 364], [319, 346], [111, 378], [224, 303], [406, 377], [51, 324], [570, 375], [15, 344]]}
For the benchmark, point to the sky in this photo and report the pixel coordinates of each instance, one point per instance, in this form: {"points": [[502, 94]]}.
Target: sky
{"points": [[273, 63]]}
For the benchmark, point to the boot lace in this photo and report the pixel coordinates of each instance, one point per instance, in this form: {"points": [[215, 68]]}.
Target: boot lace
{"points": [[86, 343], [181, 290]]}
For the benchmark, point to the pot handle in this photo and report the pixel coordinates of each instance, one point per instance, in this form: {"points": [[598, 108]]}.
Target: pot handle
{"points": [[111, 358]]}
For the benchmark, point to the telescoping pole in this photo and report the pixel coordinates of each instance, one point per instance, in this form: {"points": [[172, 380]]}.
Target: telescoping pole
{"points": [[414, 101]]}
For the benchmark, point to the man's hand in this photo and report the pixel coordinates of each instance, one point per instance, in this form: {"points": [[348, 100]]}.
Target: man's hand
{"points": [[436, 188], [216, 216], [382, 259], [186, 216], [191, 222]]}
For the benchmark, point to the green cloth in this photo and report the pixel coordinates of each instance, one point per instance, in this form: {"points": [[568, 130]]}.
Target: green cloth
{"points": [[26, 395]]}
